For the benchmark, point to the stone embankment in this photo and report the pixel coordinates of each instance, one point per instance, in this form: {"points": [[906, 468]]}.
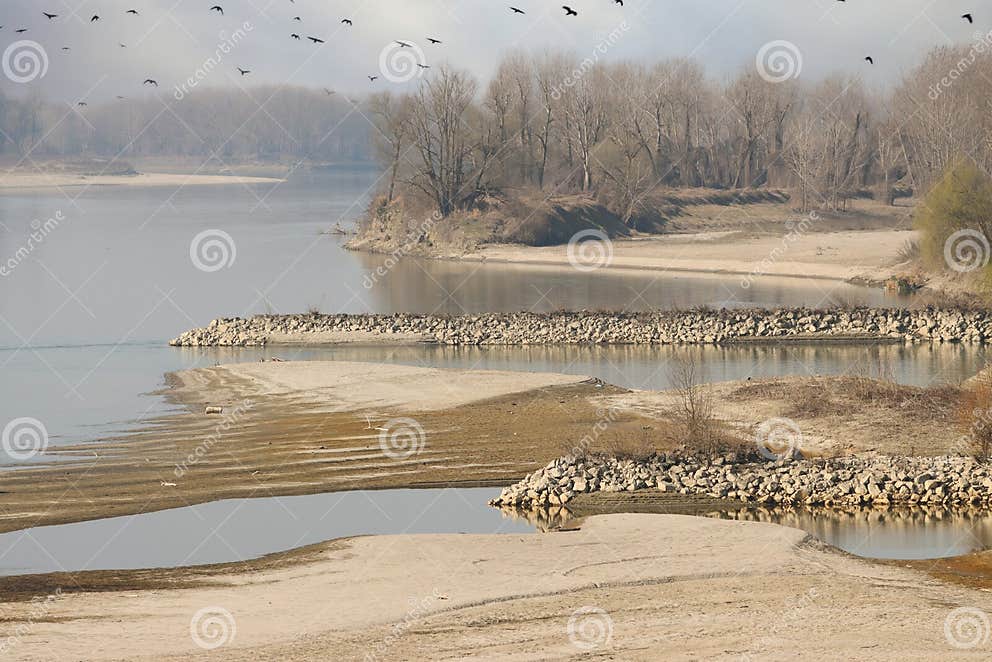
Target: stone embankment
{"points": [[668, 327], [847, 481]]}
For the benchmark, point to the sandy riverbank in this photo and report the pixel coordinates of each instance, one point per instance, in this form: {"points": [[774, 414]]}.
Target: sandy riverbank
{"points": [[632, 587], [303, 428], [11, 181], [343, 386], [845, 256]]}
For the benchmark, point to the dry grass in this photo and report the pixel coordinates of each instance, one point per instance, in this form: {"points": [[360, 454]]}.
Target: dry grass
{"points": [[817, 397], [974, 415]]}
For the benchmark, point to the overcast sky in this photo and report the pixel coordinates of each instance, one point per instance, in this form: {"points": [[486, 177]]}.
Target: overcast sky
{"points": [[170, 39]]}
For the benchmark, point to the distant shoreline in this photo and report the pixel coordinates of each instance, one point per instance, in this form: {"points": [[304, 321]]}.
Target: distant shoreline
{"points": [[31, 181]]}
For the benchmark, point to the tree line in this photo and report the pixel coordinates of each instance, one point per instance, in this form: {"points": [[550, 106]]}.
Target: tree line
{"points": [[261, 123], [621, 131]]}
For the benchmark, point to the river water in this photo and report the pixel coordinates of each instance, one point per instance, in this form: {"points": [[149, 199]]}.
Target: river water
{"points": [[85, 313]]}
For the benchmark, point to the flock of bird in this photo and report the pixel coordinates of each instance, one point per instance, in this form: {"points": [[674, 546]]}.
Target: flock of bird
{"points": [[569, 11], [218, 9]]}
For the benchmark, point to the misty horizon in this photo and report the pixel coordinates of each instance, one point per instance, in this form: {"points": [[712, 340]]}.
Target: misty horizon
{"points": [[190, 42]]}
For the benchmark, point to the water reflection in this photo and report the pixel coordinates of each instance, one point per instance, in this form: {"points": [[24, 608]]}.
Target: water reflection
{"points": [[883, 533], [648, 367], [451, 286], [79, 403]]}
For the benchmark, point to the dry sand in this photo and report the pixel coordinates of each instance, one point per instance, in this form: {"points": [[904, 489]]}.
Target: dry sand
{"points": [[633, 587], [865, 255], [36, 180], [342, 386]]}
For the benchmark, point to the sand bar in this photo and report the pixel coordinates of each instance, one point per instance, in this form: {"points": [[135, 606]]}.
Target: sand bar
{"points": [[634, 587], [39, 180]]}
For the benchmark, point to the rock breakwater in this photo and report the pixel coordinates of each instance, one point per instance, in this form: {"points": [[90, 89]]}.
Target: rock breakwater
{"points": [[848, 481], [667, 327]]}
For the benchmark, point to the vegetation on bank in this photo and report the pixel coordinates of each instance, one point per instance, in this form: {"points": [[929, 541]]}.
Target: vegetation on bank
{"points": [[621, 134], [528, 217], [955, 223]]}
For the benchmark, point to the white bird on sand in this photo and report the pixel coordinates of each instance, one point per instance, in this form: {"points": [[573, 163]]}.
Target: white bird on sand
{"points": [[165, 484]]}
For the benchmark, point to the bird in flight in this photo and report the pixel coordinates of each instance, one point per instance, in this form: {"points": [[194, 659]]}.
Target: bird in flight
{"points": [[149, 81], [122, 45], [968, 18], [373, 78], [218, 8], [403, 44], [82, 104], [316, 40], [569, 11], [517, 11], [346, 21], [424, 66], [619, 2], [295, 36], [297, 18], [21, 31], [66, 49], [132, 11], [49, 16], [433, 41], [120, 97], [869, 60], [244, 72], [96, 17], [328, 92]]}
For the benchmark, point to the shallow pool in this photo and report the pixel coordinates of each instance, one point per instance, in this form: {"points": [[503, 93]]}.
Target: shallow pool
{"points": [[241, 529]]}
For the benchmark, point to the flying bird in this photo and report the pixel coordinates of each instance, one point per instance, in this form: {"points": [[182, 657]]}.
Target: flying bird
{"points": [[132, 11], [295, 36], [49, 16], [21, 31], [218, 8], [424, 66], [297, 18], [96, 17], [244, 72], [619, 2], [434, 41], [346, 21], [869, 60], [569, 11], [517, 11], [149, 81], [66, 49], [373, 78], [120, 97], [328, 92], [316, 40], [82, 104], [968, 18], [403, 44]]}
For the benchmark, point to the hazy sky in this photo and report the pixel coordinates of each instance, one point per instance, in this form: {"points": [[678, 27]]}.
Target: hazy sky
{"points": [[170, 39]]}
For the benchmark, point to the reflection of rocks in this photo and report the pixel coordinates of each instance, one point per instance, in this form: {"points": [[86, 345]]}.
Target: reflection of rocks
{"points": [[885, 531], [853, 481], [667, 327], [543, 519]]}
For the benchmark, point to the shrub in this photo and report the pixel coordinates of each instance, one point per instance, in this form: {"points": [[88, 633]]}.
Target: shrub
{"points": [[961, 200], [975, 416]]}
